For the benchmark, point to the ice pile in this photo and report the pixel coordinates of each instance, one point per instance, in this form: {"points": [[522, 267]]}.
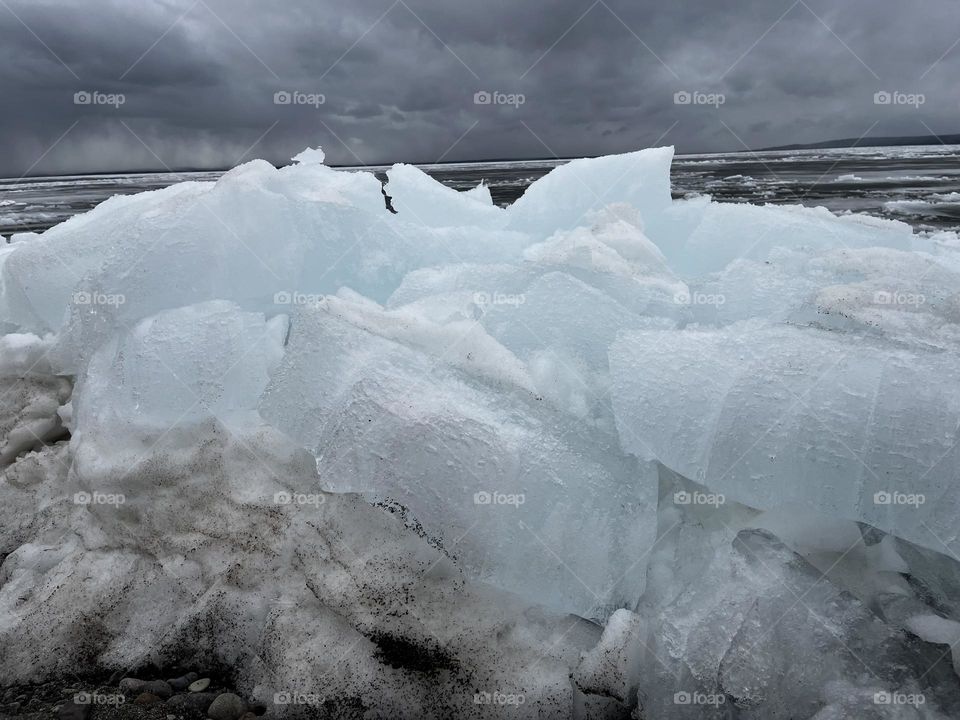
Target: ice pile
{"points": [[596, 454]]}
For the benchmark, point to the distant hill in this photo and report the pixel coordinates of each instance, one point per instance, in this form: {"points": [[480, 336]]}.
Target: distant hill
{"points": [[873, 142]]}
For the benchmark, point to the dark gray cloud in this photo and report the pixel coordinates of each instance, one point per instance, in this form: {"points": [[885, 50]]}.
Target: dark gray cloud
{"points": [[398, 79]]}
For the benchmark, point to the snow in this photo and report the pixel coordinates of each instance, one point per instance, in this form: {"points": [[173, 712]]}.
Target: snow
{"points": [[612, 667], [576, 457]]}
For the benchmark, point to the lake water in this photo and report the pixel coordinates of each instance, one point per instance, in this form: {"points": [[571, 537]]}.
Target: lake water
{"points": [[918, 184]]}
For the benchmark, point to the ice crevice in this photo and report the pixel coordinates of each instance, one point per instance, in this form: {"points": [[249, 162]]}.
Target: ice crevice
{"points": [[599, 454]]}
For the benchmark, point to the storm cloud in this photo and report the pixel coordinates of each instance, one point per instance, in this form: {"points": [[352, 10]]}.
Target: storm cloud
{"points": [[110, 85]]}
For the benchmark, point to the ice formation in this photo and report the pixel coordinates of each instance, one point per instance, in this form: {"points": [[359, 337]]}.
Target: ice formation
{"points": [[597, 454]]}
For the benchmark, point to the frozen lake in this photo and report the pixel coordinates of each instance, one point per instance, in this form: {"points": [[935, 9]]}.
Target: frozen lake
{"points": [[917, 184]]}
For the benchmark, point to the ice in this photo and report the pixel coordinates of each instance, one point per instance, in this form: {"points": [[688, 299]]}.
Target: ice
{"points": [[563, 197], [40, 275], [613, 242], [200, 361], [727, 232], [310, 156], [593, 455], [771, 636], [738, 601], [25, 353], [480, 193], [936, 629], [445, 421], [420, 198], [538, 319], [220, 242], [846, 426]]}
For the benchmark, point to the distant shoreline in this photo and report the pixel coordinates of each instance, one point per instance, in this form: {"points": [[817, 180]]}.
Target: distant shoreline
{"points": [[920, 141], [895, 141]]}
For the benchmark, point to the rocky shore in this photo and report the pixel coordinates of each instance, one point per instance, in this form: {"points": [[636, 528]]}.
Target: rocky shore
{"points": [[181, 695]]}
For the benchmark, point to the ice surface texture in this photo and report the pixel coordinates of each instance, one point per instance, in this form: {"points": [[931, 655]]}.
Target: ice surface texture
{"points": [[566, 458]]}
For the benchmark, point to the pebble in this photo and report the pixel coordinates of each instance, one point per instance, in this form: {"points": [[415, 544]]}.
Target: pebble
{"points": [[160, 688], [198, 701], [132, 686], [73, 711], [199, 685], [182, 682], [227, 706], [147, 699]]}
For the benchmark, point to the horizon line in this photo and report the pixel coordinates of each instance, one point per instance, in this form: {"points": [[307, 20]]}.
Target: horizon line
{"points": [[821, 145]]}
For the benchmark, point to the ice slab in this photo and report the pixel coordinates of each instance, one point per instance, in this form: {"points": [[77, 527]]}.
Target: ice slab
{"points": [[845, 425], [726, 232], [178, 367], [424, 201], [441, 420], [771, 638], [563, 197]]}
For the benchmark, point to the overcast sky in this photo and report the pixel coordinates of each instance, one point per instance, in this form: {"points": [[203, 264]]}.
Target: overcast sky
{"points": [[195, 83]]}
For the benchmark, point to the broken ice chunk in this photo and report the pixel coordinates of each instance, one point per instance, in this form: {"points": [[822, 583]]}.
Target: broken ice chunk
{"points": [[761, 634], [843, 425], [562, 198], [522, 495], [200, 361]]}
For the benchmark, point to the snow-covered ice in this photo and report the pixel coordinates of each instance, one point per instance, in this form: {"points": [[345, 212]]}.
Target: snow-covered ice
{"points": [[597, 454]]}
